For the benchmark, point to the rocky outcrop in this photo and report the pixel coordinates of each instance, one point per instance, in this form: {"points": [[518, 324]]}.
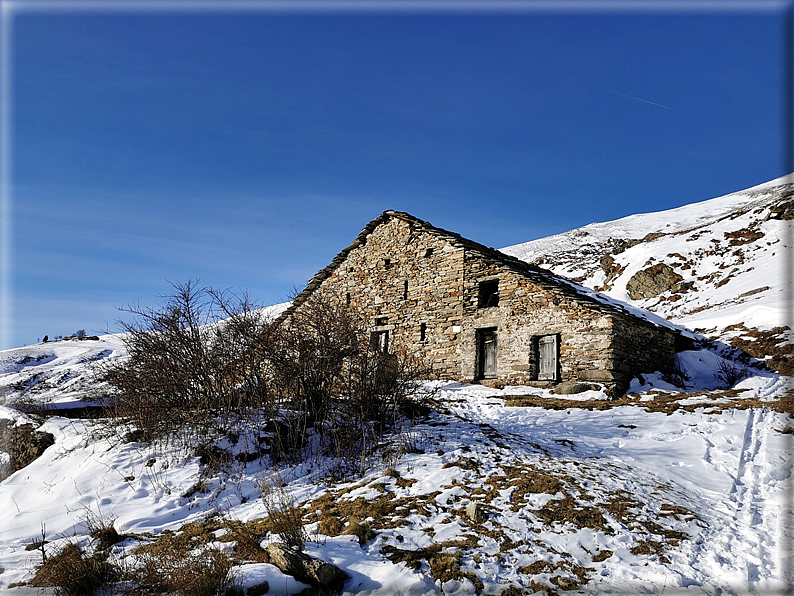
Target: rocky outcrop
{"points": [[783, 209], [23, 444], [653, 281], [307, 569], [573, 387]]}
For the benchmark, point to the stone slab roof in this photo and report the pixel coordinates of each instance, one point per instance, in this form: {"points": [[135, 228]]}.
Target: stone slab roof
{"points": [[542, 277]]}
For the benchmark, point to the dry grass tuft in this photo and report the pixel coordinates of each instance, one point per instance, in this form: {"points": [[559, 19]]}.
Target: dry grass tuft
{"points": [[443, 559], [201, 574], [73, 573], [284, 515], [247, 538]]}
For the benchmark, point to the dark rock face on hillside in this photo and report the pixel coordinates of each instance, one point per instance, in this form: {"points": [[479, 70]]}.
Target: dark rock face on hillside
{"points": [[23, 444], [652, 281]]}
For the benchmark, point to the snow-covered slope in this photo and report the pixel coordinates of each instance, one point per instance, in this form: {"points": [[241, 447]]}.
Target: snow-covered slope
{"points": [[730, 252]]}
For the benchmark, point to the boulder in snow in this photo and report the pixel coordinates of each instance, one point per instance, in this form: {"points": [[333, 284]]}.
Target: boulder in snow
{"points": [[307, 569]]}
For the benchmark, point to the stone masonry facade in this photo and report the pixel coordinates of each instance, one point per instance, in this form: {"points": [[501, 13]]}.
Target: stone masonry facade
{"points": [[477, 314]]}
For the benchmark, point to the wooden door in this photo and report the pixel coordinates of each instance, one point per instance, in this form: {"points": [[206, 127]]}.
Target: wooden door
{"points": [[547, 358], [487, 354]]}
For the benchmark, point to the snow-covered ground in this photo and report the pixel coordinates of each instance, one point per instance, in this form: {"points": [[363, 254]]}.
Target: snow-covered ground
{"points": [[706, 489], [661, 491]]}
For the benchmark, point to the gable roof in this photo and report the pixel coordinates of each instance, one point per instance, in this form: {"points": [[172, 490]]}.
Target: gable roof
{"points": [[538, 275]]}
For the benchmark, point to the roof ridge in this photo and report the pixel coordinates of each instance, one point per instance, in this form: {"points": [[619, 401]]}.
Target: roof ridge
{"points": [[538, 274]]}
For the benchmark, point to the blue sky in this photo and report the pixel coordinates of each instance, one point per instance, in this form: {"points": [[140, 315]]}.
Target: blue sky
{"points": [[246, 148]]}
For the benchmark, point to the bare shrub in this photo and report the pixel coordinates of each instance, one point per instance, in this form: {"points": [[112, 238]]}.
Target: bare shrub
{"points": [[74, 573], [102, 530], [207, 365], [285, 517], [194, 366], [340, 388], [731, 372], [678, 377]]}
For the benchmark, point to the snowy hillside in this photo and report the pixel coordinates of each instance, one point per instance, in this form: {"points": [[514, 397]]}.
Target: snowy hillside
{"points": [[726, 259], [498, 492]]}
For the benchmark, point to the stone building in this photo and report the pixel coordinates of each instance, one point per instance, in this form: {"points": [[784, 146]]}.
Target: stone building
{"points": [[480, 315]]}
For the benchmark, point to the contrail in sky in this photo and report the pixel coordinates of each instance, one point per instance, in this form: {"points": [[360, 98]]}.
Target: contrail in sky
{"points": [[637, 98]]}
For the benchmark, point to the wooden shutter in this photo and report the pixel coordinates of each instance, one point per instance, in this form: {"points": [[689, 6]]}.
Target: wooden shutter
{"points": [[547, 358]]}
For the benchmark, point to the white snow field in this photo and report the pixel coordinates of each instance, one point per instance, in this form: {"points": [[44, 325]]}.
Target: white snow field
{"points": [[707, 490], [663, 491]]}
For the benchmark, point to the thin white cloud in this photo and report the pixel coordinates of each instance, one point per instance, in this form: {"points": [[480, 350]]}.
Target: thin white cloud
{"points": [[653, 103]]}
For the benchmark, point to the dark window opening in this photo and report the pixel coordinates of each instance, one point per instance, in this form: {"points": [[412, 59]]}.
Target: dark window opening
{"points": [[387, 263], [489, 294], [422, 331], [380, 322], [547, 352], [428, 253], [347, 299], [405, 290], [379, 341]]}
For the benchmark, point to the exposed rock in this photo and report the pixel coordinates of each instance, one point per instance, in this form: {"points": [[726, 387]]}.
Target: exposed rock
{"points": [[652, 236], [475, 512], [783, 210], [571, 387], [652, 281], [23, 445], [258, 590], [752, 292], [307, 569]]}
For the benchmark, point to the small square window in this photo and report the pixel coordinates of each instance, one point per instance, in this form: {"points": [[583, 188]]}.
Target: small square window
{"points": [[488, 294], [428, 253], [380, 322], [387, 263]]}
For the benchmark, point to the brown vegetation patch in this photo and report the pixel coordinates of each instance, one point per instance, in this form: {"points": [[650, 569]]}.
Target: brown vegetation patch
{"points": [[74, 572], [343, 516], [770, 345], [663, 401], [743, 236], [464, 463], [399, 480], [602, 556], [567, 510]]}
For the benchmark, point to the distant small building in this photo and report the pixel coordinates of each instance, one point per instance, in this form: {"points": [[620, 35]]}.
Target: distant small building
{"points": [[480, 315]]}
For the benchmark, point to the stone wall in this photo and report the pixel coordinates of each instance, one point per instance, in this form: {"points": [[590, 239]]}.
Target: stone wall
{"points": [[375, 274], [404, 277]]}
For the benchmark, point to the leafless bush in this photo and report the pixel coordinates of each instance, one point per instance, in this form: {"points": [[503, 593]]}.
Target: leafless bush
{"points": [[207, 364], [339, 384], [731, 372], [678, 377], [194, 366]]}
